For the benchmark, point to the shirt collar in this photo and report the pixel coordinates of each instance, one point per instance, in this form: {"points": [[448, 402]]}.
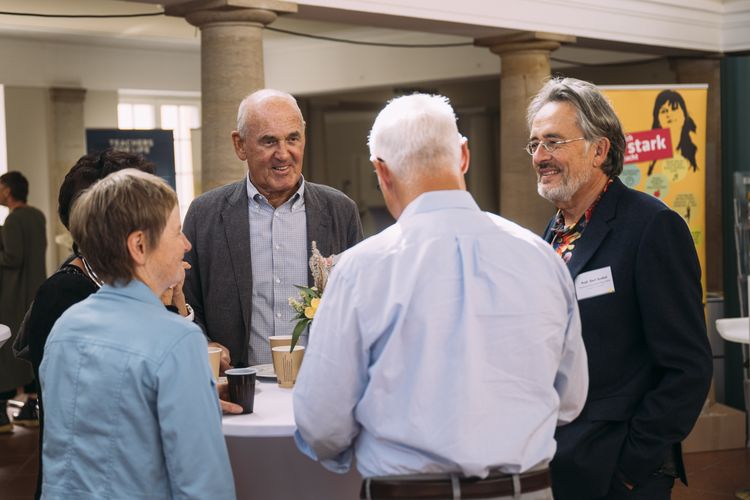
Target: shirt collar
{"points": [[559, 226], [439, 200], [135, 289], [296, 201]]}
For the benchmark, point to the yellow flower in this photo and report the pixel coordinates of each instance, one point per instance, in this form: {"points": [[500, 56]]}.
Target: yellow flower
{"points": [[312, 308]]}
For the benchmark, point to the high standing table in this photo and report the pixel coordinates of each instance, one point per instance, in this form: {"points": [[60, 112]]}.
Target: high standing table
{"points": [[265, 461], [4, 334], [738, 330]]}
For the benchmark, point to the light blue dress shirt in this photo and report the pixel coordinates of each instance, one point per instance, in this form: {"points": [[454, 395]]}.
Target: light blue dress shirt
{"points": [[450, 342], [131, 410], [278, 250]]}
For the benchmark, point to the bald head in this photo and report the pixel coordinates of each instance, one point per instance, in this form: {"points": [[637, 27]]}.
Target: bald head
{"points": [[257, 101]]}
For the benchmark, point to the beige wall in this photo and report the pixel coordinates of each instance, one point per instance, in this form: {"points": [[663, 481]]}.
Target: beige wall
{"points": [[100, 109], [28, 120]]}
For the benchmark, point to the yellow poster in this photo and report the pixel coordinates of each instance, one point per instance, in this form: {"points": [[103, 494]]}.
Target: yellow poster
{"points": [[665, 129]]}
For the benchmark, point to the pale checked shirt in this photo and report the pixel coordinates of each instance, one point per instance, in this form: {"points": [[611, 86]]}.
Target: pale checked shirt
{"points": [[448, 343], [278, 251]]}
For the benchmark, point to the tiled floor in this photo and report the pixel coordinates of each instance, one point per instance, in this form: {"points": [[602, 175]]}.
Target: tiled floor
{"points": [[712, 475]]}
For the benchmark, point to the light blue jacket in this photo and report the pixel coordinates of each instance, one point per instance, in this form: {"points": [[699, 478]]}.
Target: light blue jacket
{"points": [[131, 410]]}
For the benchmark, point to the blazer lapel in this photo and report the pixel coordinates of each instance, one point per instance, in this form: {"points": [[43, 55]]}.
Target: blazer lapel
{"points": [[235, 219], [597, 229], [318, 223]]}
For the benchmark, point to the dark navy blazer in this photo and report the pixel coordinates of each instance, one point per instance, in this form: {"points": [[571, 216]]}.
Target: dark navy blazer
{"points": [[649, 359]]}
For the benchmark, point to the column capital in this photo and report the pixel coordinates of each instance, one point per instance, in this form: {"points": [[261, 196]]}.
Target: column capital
{"points": [[67, 94], [203, 12], [526, 41]]}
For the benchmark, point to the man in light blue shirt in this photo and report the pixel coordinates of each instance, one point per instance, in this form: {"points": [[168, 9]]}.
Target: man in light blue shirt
{"points": [[130, 403], [446, 348]]}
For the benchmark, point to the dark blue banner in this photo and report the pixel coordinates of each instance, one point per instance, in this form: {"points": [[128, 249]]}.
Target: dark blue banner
{"points": [[156, 145]]}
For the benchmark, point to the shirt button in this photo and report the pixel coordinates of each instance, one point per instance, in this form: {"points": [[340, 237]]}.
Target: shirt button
{"points": [[278, 246], [276, 214], [278, 280], [278, 315]]}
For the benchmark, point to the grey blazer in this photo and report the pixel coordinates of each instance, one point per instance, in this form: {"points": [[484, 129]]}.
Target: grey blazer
{"points": [[219, 284]]}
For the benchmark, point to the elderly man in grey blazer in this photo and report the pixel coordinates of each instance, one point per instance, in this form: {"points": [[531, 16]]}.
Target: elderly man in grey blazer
{"points": [[252, 238]]}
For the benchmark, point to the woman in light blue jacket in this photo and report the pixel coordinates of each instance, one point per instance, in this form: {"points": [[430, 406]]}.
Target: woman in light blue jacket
{"points": [[131, 406]]}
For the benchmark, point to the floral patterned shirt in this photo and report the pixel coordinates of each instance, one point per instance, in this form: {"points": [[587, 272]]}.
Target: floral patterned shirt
{"points": [[565, 236]]}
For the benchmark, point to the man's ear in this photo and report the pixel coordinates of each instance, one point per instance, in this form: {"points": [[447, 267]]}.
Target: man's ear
{"points": [[137, 247], [239, 146], [385, 178], [601, 151], [465, 156]]}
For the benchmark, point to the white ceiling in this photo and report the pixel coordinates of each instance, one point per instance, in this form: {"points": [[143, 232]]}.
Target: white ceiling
{"points": [[47, 51]]}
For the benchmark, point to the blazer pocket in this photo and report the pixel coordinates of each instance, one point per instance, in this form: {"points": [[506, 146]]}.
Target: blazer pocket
{"points": [[612, 409]]}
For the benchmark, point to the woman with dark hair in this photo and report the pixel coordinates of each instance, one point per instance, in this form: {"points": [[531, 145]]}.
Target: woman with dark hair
{"points": [[74, 280], [670, 112]]}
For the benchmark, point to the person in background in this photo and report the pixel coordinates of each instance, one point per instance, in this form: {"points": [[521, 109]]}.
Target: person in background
{"points": [[23, 243], [638, 286], [130, 401], [447, 348], [252, 239]]}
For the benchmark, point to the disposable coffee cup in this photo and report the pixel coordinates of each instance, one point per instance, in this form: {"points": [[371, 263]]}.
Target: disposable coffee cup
{"points": [[280, 340], [242, 387], [214, 359], [286, 364]]}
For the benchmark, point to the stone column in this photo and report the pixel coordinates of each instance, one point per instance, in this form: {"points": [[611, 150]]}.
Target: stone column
{"points": [[69, 145], [231, 68], [525, 67]]}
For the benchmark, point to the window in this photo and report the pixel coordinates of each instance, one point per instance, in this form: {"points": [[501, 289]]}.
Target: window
{"points": [[180, 114]]}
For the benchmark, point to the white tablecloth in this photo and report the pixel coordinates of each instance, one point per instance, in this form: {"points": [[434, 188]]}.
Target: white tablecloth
{"points": [[734, 329], [265, 461]]}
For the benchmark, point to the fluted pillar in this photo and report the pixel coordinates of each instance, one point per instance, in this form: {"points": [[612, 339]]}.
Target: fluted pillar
{"points": [[69, 145], [231, 68], [525, 68]]}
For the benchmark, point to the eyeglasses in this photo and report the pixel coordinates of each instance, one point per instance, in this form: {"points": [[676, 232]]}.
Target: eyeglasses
{"points": [[549, 146]]}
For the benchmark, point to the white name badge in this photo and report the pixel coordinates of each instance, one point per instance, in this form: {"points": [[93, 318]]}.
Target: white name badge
{"points": [[594, 283]]}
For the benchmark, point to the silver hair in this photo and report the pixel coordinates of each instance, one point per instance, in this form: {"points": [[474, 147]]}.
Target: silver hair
{"points": [[416, 135], [595, 116], [256, 97]]}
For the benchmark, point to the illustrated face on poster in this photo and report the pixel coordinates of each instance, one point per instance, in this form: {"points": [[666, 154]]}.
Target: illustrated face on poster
{"points": [[670, 112]]}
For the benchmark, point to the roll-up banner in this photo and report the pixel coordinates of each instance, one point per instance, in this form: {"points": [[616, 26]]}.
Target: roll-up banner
{"points": [[665, 156], [155, 145]]}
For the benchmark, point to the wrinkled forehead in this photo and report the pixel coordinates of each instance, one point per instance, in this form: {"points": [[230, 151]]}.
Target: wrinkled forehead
{"points": [[274, 112], [555, 119]]}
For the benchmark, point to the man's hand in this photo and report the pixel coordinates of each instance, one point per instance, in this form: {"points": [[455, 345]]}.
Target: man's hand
{"points": [[226, 406]]}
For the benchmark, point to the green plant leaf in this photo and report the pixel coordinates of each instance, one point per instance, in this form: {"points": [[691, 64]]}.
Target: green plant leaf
{"points": [[298, 329]]}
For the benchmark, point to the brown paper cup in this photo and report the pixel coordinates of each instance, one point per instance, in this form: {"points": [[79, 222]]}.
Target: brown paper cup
{"points": [[214, 359], [287, 364], [280, 340]]}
